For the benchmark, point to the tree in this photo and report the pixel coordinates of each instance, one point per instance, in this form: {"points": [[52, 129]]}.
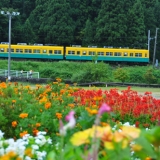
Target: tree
{"points": [[136, 28], [111, 23], [28, 33], [88, 39], [57, 24]]}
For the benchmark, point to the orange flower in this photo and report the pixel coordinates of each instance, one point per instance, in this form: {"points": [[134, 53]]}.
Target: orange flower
{"points": [[14, 123], [23, 115], [38, 124], [13, 101], [3, 85], [23, 133], [48, 105], [71, 105], [58, 79], [59, 115], [35, 131], [28, 152]]}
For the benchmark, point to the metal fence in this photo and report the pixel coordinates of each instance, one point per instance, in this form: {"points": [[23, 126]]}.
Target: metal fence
{"points": [[15, 73]]}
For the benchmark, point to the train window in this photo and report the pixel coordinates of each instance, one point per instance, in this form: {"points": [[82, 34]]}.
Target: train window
{"points": [[71, 52], [138, 54], [50, 52], [19, 50], [36, 51], [78, 52], [131, 54], [125, 54], [28, 51], [44, 51], [57, 51], [109, 53], [84, 52], [100, 53], [2, 49], [12, 50], [145, 54], [92, 53], [117, 53]]}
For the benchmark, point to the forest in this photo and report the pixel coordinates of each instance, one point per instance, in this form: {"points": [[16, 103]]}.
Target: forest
{"points": [[118, 23]]}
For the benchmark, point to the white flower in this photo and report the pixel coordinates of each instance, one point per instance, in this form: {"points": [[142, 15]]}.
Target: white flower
{"points": [[41, 155], [27, 158], [41, 133], [35, 147]]}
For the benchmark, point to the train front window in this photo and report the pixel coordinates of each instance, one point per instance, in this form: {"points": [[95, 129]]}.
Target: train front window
{"points": [[125, 54], [109, 53], [19, 50], [57, 51], [36, 51], [78, 52], [138, 54], [28, 51], [92, 53], [100, 53], [117, 53]]}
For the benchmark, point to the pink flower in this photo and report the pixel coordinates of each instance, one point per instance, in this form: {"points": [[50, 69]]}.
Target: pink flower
{"points": [[104, 108], [70, 116], [71, 123]]}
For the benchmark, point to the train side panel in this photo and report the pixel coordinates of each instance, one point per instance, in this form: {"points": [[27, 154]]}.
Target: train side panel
{"points": [[107, 54], [32, 52]]}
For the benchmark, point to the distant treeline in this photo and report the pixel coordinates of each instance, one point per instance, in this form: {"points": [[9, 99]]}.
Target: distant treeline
{"points": [[118, 23]]}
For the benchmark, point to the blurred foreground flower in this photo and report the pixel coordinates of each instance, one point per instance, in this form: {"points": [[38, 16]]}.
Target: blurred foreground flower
{"points": [[71, 123]]}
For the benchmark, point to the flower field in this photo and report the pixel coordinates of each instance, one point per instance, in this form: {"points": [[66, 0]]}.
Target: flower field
{"points": [[60, 122]]}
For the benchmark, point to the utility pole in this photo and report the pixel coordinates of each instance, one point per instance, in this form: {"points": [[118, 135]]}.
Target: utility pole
{"points": [[10, 15], [155, 43], [149, 40]]}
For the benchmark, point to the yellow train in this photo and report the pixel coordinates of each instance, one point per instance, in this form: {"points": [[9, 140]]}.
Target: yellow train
{"points": [[75, 53]]}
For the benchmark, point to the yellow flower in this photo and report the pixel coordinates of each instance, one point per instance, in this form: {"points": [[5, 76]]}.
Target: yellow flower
{"points": [[83, 137], [131, 132], [80, 138], [109, 145], [94, 111], [136, 147]]}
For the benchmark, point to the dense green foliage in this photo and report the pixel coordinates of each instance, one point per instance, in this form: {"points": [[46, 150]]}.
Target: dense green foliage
{"points": [[121, 23], [82, 72]]}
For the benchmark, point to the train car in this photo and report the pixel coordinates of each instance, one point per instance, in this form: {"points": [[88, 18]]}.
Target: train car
{"points": [[107, 54], [75, 53], [32, 52]]}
